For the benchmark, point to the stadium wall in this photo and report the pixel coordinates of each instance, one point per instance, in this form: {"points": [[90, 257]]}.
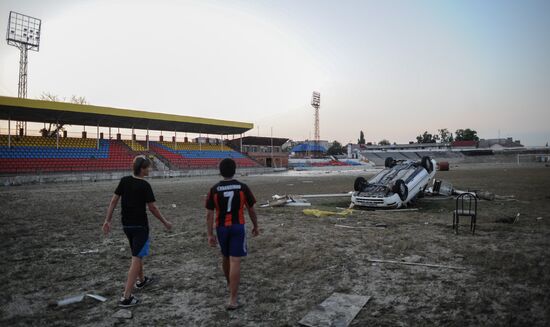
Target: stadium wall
{"points": [[16, 180]]}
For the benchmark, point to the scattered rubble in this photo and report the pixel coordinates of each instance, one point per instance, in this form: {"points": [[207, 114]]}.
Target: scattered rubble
{"points": [[80, 298]]}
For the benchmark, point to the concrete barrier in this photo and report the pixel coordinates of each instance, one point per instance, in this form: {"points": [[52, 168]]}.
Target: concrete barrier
{"points": [[116, 175]]}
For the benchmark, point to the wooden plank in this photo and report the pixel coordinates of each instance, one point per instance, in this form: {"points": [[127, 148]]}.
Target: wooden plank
{"points": [[337, 310]]}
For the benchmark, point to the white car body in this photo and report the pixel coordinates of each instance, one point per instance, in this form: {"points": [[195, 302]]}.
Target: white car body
{"points": [[380, 192]]}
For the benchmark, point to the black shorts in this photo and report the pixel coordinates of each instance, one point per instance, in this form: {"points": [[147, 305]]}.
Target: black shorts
{"points": [[138, 236]]}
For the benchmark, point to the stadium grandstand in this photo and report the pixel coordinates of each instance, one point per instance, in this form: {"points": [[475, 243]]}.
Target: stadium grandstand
{"points": [[21, 153]]}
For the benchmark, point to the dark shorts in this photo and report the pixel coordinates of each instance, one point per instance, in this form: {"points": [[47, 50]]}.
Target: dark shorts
{"points": [[232, 240], [138, 236]]}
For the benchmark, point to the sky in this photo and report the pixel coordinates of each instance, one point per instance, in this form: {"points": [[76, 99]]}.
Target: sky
{"points": [[390, 68]]}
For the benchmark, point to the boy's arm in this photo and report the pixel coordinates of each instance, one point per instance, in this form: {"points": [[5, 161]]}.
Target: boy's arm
{"points": [[210, 227], [156, 212], [254, 218], [109, 217]]}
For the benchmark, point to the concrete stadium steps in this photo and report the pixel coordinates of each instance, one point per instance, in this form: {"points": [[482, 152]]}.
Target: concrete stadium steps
{"points": [[134, 146], [192, 159]]}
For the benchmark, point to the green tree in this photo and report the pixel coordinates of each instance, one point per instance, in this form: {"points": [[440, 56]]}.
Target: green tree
{"points": [[466, 135], [384, 142], [445, 136], [361, 139], [335, 149], [427, 138]]}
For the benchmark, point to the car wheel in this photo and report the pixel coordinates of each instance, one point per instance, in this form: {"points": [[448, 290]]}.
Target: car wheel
{"points": [[389, 162], [360, 184], [401, 189], [427, 164]]}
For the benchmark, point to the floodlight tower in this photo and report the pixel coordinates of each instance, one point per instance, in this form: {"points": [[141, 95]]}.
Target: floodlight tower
{"points": [[24, 33], [316, 103]]}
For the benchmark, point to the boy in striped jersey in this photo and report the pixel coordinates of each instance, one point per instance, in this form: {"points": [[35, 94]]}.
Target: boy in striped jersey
{"points": [[226, 202]]}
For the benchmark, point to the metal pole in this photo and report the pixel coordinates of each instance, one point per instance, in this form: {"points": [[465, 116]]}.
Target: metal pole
{"points": [[147, 138], [200, 144], [241, 142], [9, 132], [175, 144], [23, 61], [57, 134], [133, 138], [109, 132], [272, 162], [221, 145], [97, 136]]}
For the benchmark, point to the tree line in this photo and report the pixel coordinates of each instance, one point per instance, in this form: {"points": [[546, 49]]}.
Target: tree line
{"points": [[443, 135]]}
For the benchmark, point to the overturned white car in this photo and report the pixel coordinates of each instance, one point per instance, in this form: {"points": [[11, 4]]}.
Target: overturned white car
{"points": [[395, 186]]}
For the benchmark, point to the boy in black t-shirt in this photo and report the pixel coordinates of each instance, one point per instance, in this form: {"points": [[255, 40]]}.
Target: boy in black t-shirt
{"points": [[228, 198], [136, 193]]}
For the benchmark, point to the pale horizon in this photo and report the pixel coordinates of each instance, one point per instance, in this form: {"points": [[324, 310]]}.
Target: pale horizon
{"points": [[392, 70]]}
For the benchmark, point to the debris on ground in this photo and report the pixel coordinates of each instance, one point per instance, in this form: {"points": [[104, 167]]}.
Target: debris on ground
{"points": [[70, 300], [299, 200], [444, 188], [441, 187], [337, 310], [174, 234], [358, 227], [286, 200], [323, 213], [509, 220], [89, 251], [97, 297], [123, 314], [80, 298]]}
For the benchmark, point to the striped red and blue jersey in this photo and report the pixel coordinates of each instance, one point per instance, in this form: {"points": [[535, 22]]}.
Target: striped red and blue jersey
{"points": [[229, 198]]}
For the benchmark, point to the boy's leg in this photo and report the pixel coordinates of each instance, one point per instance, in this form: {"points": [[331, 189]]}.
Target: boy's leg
{"points": [[234, 279], [140, 275], [225, 267], [133, 273]]}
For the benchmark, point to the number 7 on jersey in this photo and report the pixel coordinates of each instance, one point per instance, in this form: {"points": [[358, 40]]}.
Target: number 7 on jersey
{"points": [[229, 194]]}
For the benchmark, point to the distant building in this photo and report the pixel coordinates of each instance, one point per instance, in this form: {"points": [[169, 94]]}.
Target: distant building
{"points": [[501, 143], [310, 149], [259, 149]]}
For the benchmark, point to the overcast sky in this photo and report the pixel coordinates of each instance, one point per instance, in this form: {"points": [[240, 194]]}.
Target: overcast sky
{"points": [[390, 68]]}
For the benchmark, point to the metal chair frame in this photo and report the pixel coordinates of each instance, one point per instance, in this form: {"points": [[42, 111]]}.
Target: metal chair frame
{"points": [[469, 199]]}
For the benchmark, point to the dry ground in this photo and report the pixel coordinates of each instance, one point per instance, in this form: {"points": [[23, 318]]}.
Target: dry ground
{"points": [[295, 264]]}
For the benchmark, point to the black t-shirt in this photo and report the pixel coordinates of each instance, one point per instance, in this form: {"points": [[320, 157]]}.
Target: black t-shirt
{"points": [[135, 193], [229, 198]]}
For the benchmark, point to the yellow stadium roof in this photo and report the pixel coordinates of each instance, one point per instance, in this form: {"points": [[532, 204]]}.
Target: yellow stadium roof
{"points": [[76, 114]]}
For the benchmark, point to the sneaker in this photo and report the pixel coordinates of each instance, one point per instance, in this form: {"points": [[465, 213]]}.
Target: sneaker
{"points": [[126, 303], [146, 281]]}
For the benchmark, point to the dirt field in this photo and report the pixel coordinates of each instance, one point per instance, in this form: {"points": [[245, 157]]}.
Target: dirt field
{"points": [[295, 264]]}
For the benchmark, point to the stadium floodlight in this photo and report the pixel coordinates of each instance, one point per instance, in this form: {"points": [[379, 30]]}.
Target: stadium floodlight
{"points": [[316, 99], [316, 103], [24, 33]]}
